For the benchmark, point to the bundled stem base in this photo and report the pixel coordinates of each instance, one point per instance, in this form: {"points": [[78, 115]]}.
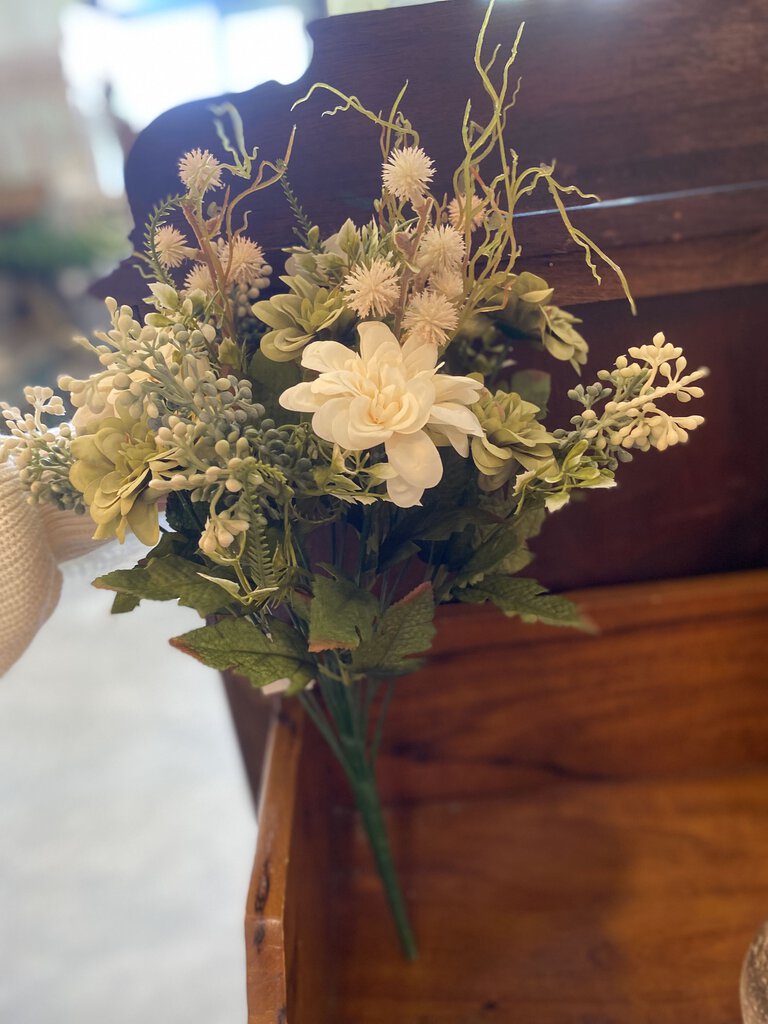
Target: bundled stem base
{"points": [[369, 804], [343, 720]]}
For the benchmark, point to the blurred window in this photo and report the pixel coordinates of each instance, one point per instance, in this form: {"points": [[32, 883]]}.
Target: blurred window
{"points": [[130, 60]]}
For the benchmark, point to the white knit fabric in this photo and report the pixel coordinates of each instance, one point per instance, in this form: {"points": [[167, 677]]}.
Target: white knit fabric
{"points": [[32, 543]]}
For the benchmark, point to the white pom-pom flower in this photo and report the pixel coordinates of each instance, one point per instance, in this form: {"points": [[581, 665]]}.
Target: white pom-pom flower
{"points": [[372, 290], [199, 170], [389, 395], [449, 283], [457, 212], [199, 279], [430, 318], [245, 259], [441, 249], [172, 247], [407, 173]]}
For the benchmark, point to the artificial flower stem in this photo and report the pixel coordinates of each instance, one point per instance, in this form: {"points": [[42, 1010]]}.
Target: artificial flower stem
{"points": [[369, 804], [351, 721]]}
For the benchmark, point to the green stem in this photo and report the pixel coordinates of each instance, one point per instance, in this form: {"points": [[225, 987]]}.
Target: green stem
{"points": [[350, 713], [369, 804]]}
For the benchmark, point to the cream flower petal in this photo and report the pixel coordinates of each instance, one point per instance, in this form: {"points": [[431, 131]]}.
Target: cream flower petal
{"points": [[300, 398], [374, 334], [326, 356], [415, 405], [403, 494], [331, 385], [362, 429], [415, 458], [330, 422], [454, 415], [419, 355], [456, 389], [456, 438]]}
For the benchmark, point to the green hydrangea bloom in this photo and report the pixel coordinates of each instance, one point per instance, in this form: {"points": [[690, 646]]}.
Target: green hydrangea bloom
{"points": [[112, 468], [298, 317], [512, 438]]}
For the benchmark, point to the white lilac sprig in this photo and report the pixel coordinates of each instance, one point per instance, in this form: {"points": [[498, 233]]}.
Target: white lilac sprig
{"points": [[42, 454], [630, 416]]}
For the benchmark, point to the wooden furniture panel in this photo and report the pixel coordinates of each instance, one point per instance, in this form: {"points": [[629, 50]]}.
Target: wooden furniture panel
{"points": [[675, 682], [582, 845], [659, 106], [662, 106]]}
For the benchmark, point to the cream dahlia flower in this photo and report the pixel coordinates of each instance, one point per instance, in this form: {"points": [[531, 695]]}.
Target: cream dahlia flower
{"points": [[407, 173], [392, 395]]}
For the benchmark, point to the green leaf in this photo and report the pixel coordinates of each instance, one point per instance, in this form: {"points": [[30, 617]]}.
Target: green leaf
{"points": [[530, 521], [270, 380], [451, 509], [405, 629], [528, 599], [124, 603], [184, 516], [258, 556], [240, 645], [341, 615], [533, 386], [500, 545], [504, 549], [165, 579]]}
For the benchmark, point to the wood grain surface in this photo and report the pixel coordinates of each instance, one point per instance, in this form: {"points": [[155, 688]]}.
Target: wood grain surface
{"points": [[580, 823], [584, 903]]}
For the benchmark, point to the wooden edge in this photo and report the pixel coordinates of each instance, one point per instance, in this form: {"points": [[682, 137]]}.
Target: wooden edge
{"points": [[668, 268], [252, 715], [265, 944], [659, 601]]}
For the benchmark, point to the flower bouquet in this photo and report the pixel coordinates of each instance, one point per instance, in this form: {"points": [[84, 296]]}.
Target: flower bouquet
{"points": [[317, 460]]}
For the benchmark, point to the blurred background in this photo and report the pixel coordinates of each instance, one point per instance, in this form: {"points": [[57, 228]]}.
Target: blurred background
{"points": [[126, 826]]}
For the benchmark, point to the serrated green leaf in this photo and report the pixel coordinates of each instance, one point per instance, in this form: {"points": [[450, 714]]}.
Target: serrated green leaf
{"points": [[341, 615], [124, 603], [405, 629], [258, 556], [165, 579], [232, 587], [500, 545], [527, 599], [504, 549], [448, 513], [240, 645], [530, 521]]}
